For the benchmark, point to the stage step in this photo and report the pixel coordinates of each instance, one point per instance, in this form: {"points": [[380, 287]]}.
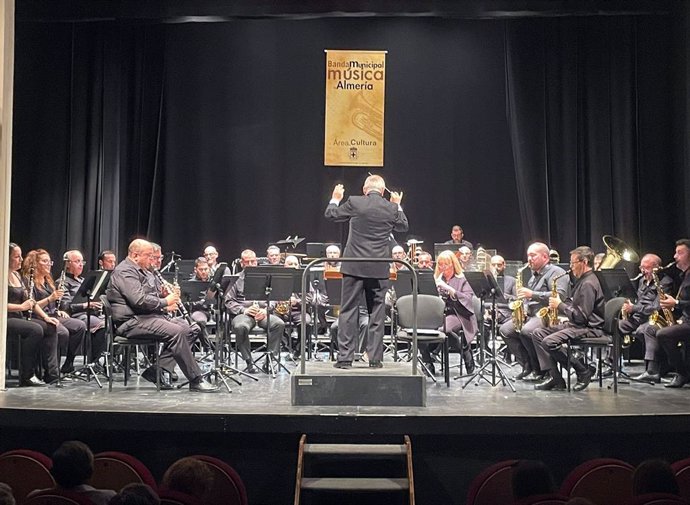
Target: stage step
{"points": [[351, 484]]}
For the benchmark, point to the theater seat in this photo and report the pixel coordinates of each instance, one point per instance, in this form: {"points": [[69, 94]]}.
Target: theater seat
{"points": [[493, 485], [605, 481], [543, 499], [114, 470], [228, 488], [25, 470], [682, 470], [57, 497], [169, 497], [658, 499]]}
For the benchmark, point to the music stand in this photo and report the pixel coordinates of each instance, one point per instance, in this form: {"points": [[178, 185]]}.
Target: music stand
{"points": [[484, 284], [270, 283], [439, 247], [90, 290], [426, 284]]}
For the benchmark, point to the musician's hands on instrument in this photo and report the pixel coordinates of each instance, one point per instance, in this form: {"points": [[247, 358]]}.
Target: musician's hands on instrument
{"points": [[396, 197], [172, 298], [171, 307], [252, 310], [554, 302], [62, 313], [26, 305], [668, 303], [260, 314], [525, 293], [444, 287], [627, 307], [294, 300], [95, 305], [52, 320], [338, 192], [56, 295]]}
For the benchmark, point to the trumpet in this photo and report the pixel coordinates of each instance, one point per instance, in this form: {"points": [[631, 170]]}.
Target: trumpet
{"points": [[548, 315]]}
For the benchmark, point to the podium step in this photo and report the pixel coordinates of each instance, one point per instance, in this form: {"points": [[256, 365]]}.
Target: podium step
{"points": [[357, 449], [362, 484]]}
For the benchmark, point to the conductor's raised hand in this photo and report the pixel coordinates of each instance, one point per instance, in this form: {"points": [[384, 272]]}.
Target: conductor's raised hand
{"points": [[396, 197], [338, 192]]}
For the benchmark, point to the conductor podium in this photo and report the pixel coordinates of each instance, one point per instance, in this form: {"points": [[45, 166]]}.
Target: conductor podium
{"points": [[319, 383]]}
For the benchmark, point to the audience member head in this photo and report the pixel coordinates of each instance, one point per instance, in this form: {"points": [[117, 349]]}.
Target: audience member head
{"points": [[190, 476], [72, 464], [531, 477], [107, 260], [6, 496], [654, 476], [135, 493]]}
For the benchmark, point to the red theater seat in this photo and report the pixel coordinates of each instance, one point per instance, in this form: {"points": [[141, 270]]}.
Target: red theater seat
{"points": [[25, 470], [114, 470], [228, 488], [493, 485], [682, 471], [605, 481], [658, 499], [57, 497], [169, 497]]}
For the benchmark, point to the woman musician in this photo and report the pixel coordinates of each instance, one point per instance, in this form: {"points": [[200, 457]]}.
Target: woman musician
{"points": [[460, 323], [70, 331], [27, 321]]}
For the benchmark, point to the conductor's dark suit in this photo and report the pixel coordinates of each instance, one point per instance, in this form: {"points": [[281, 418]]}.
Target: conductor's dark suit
{"points": [[372, 219]]}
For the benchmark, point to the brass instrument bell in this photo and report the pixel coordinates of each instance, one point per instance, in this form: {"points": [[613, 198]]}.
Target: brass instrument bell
{"points": [[616, 251]]}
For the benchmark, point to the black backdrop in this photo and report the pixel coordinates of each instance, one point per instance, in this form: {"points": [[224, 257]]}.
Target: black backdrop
{"points": [[560, 128]]}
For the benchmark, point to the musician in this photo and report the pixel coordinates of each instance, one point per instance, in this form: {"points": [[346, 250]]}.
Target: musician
{"points": [[636, 320], [460, 323], [372, 219], [598, 258], [425, 261], [332, 252], [536, 294], [398, 253], [250, 313], [140, 310], [202, 271], [107, 260], [70, 331], [585, 312], [465, 257], [507, 285], [456, 237], [273, 255], [670, 336], [211, 255], [38, 333], [293, 316], [199, 309], [74, 267]]}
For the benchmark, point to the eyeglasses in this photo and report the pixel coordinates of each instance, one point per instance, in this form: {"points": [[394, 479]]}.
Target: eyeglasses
{"points": [[46, 262], [573, 262], [78, 262]]}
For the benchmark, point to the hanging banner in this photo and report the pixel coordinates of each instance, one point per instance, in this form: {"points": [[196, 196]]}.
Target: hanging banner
{"points": [[355, 95]]}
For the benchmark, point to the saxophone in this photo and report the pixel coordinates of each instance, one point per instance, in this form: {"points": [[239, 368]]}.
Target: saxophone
{"points": [[663, 318], [517, 306], [31, 294], [549, 316]]}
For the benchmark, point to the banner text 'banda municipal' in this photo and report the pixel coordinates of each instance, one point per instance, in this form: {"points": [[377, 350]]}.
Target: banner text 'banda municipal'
{"points": [[355, 95]]}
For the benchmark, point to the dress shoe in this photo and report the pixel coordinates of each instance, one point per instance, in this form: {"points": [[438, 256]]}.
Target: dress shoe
{"points": [[535, 377], [150, 375], [201, 386], [250, 368], [648, 377], [469, 366], [551, 384], [173, 376], [583, 380], [342, 364], [33, 381], [375, 364], [678, 381], [49, 379], [67, 368], [525, 372]]}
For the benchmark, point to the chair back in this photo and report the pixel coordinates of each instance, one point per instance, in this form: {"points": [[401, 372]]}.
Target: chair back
{"points": [[682, 470], [429, 312], [169, 497], [25, 470], [605, 481], [493, 485], [57, 497], [114, 470], [658, 499], [543, 499], [228, 488], [612, 311]]}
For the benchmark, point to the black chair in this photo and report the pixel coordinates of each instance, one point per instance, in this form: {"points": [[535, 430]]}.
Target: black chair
{"points": [[612, 312], [115, 340], [430, 313]]}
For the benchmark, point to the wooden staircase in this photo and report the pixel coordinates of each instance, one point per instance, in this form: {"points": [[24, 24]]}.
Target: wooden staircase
{"points": [[347, 485]]}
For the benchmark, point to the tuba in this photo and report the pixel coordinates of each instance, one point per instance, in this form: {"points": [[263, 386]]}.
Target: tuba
{"points": [[517, 306], [549, 316], [616, 250]]}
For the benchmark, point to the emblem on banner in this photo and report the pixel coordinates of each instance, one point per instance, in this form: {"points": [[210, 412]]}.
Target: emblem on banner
{"points": [[353, 153]]}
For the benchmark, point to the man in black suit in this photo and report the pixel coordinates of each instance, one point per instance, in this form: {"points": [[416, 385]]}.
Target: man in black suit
{"points": [[372, 219]]}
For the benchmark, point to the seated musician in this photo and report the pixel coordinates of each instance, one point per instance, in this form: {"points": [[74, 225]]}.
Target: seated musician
{"points": [[507, 285], [460, 323], [107, 260], [332, 252], [425, 261], [272, 255], [464, 255], [635, 320], [249, 313], [139, 310], [398, 253], [679, 330], [28, 322], [585, 312], [200, 310], [74, 267], [293, 308], [47, 294], [456, 237]]}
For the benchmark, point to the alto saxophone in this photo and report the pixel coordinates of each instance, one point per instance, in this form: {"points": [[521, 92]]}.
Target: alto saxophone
{"points": [[31, 294], [663, 318], [517, 306], [549, 316]]}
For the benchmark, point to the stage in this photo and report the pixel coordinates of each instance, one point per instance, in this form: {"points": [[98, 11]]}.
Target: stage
{"points": [[256, 428]]}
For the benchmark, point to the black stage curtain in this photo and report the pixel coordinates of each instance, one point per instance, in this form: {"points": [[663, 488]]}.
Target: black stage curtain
{"points": [[558, 129]]}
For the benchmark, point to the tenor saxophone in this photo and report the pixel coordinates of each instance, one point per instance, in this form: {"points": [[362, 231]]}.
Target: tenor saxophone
{"points": [[517, 306], [549, 316]]}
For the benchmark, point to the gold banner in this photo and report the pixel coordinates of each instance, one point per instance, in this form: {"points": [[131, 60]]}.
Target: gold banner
{"points": [[355, 96]]}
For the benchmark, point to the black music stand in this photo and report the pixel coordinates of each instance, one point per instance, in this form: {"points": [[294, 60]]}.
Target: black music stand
{"points": [[270, 283], [426, 284], [194, 293], [90, 290], [484, 285]]}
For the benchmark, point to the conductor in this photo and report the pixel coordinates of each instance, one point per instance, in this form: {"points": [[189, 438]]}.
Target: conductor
{"points": [[372, 219]]}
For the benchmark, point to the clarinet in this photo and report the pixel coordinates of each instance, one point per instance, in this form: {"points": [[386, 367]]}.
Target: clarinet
{"points": [[172, 288], [31, 294]]}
